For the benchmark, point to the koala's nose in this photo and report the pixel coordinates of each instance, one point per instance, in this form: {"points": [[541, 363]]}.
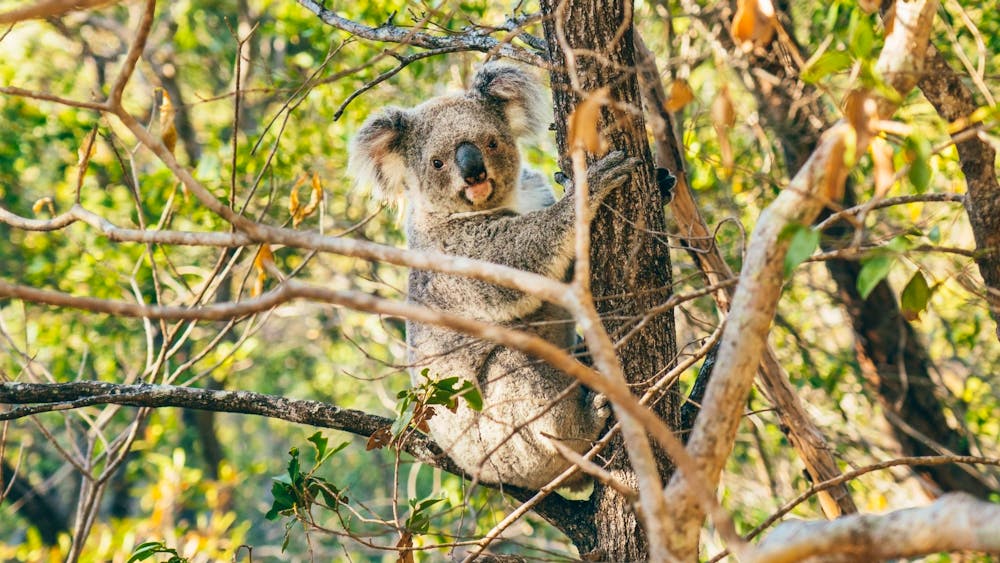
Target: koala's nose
{"points": [[470, 163]]}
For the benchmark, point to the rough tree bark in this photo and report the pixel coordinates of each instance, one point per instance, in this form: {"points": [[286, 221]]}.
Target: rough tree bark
{"points": [[953, 100], [891, 355], [630, 267]]}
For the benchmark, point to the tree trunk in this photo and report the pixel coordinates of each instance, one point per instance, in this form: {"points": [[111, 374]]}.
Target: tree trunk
{"points": [[630, 267], [953, 100]]}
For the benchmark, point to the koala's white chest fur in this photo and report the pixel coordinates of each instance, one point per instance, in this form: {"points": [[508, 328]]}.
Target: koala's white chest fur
{"points": [[456, 161]]}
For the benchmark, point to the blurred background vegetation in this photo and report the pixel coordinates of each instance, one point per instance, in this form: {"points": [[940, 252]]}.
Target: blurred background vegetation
{"points": [[201, 483]]}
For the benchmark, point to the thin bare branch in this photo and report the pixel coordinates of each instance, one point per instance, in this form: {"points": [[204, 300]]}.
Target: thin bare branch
{"points": [[389, 33], [48, 9]]}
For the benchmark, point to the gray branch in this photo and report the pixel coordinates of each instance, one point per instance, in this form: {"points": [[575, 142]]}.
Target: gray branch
{"points": [[34, 398], [474, 40]]}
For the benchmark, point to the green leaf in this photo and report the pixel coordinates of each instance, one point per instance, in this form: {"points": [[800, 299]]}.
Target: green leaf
{"points": [[148, 549], [899, 244], [418, 521], [919, 151], [284, 499], [826, 64], [862, 36], [472, 396], [915, 296], [873, 271], [803, 242], [319, 441], [294, 470], [935, 234]]}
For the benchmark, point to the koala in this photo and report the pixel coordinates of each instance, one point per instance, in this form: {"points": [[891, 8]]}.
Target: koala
{"points": [[455, 161]]}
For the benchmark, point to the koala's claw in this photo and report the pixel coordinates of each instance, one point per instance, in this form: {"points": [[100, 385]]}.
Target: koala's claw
{"points": [[563, 180], [602, 407], [610, 173]]}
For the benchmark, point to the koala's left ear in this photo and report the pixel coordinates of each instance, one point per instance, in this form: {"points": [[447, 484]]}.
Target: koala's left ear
{"points": [[517, 91]]}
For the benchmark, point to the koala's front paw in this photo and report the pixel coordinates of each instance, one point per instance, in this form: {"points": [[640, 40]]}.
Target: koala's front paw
{"points": [[602, 408], [609, 173]]}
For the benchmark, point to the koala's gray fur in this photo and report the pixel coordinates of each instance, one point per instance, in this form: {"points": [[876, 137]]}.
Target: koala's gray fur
{"points": [[456, 161]]}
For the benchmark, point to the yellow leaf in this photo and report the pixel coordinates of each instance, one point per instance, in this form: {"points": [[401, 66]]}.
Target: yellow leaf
{"points": [[261, 262], [263, 259], [723, 118], [87, 149], [168, 132], [294, 206], [978, 116], [316, 196], [45, 202], [723, 112], [680, 95], [584, 123], [293, 200]]}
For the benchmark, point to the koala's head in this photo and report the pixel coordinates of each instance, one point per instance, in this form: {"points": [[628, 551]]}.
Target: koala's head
{"points": [[453, 153]]}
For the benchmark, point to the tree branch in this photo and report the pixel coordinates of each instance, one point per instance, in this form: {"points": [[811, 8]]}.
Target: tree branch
{"points": [[955, 522], [388, 33]]}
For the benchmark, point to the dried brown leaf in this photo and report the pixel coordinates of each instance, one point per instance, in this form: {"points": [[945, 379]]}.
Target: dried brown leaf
{"points": [[680, 95], [403, 545], [723, 118], [754, 23], [379, 439], [584, 123], [315, 196], [168, 131]]}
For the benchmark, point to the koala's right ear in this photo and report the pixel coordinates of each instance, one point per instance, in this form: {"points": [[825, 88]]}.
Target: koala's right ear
{"points": [[517, 91], [376, 154]]}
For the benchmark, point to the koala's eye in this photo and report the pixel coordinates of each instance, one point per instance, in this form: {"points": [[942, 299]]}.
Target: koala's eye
{"points": [[492, 144], [437, 163]]}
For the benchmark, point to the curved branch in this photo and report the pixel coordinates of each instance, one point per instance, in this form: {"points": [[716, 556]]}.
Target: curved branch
{"points": [[955, 522]]}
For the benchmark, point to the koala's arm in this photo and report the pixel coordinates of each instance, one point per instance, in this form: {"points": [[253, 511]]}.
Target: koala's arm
{"points": [[534, 192], [540, 242]]}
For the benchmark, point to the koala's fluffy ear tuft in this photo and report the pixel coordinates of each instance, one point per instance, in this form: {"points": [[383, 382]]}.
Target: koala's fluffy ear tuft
{"points": [[376, 155], [517, 91]]}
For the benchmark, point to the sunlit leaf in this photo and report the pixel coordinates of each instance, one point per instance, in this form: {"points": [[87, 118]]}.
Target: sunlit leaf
{"points": [[680, 95], [915, 296], [826, 64], [584, 123], [803, 243], [168, 131], [753, 23], [873, 271]]}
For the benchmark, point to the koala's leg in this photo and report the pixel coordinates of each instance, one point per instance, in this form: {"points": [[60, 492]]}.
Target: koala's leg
{"points": [[526, 406]]}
